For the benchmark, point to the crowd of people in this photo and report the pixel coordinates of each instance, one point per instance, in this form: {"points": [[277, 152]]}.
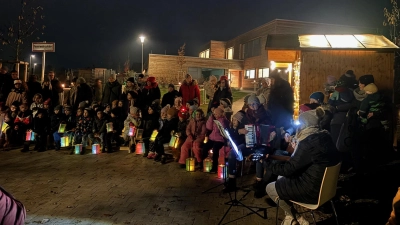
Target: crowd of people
{"points": [[340, 123]]}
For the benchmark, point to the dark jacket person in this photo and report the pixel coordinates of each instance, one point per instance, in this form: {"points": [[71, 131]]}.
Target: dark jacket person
{"points": [[84, 92], [56, 88], [112, 90], [169, 97]]}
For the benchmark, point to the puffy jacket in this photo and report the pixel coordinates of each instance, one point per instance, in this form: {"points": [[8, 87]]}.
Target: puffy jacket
{"points": [[84, 125], [84, 93], [56, 120], [196, 128], [117, 124], [111, 92], [151, 93], [168, 98], [40, 125], [150, 123], [12, 210], [168, 126], [221, 93], [99, 125], [24, 119], [189, 91], [303, 173], [215, 133], [181, 129], [18, 95], [280, 103]]}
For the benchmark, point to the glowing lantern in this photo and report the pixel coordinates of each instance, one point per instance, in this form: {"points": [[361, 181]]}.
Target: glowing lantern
{"points": [[95, 149], [190, 164], [132, 131], [205, 140], [30, 136], [61, 128], [174, 142], [207, 165], [139, 134], [153, 135], [139, 148], [109, 127], [78, 149], [222, 171], [65, 141]]}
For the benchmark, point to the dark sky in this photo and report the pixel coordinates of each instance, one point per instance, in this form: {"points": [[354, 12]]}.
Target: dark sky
{"points": [[102, 33]]}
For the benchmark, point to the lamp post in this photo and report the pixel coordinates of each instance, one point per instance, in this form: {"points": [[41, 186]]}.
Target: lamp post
{"points": [[30, 63], [142, 40], [34, 66]]}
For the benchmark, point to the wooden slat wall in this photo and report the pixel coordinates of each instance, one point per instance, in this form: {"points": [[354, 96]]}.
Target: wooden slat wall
{"points": [[316, 66]]}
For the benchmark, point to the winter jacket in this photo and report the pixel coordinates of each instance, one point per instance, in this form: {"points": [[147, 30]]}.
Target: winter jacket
{"points": [[12, 210], [150, 123], [70, 99], [118, 126], [84, 125], [280, 103], [189, 91], [111, 92], [215, 133], [47, 93], [70, 121], [56, 89], [181, 129], [151, 93], [373, 103], [221, 93], [169, 98], [33, 88], [236, 137], [97, 92], [40, 125], [7, 84], [197, 129], [99, 125], [259, 116], [56, 120], [24, 119], [34, 107], [131, 121], [18, 95], [84, 93], [303, 173], [169, 125]]}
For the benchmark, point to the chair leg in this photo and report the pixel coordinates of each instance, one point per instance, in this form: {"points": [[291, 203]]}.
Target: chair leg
{"points": [[313, 217], [334, 211], [277, 211]]}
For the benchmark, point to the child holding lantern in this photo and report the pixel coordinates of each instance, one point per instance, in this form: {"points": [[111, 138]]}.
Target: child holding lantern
{"points": [[83, 128], [40, 127], [56, 120], [195, 132], [70, 121], [22, 123], [117, 127], [132, 120], [150, 123], [99, 131], [183, 116]]}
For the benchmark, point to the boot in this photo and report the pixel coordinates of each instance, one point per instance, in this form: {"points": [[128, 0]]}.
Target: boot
{"points": [[259, 189], [26, 148], [58, 145], [163, 159], [230, 185]]}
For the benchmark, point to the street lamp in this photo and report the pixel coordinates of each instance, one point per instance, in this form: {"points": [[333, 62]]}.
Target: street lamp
{"points": [[34, 66], [142, 40], [30, 62]]}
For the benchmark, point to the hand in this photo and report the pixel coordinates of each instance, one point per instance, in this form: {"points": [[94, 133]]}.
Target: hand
{"points": [[288, 138], [370, 115], [358, 112], [243, 131], [272, 135], [172, 132], [266, 156]]}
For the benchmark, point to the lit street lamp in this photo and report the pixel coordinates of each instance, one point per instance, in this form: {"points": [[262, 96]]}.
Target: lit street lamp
{"points": [[142, 40], [30, 62], [34, 66]]}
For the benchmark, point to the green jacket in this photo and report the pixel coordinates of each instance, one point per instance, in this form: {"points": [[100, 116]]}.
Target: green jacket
{"points": [[373, 103]]}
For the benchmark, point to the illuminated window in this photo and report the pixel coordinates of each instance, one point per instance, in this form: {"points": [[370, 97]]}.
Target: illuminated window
{"points": [[313, 41], [229, 53], [263, 72], [250, 74], [343, 41], [205, 54]]}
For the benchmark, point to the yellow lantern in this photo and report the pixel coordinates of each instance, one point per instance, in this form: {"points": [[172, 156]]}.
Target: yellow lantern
{"points": [[139, 148], [95, 149], [109, 127], [61, 128], [153, 135], [207, 165], [78, 149], [190, 164], [205, 140], [174, 142], [132, 131], [222, 171], [64, 141]]}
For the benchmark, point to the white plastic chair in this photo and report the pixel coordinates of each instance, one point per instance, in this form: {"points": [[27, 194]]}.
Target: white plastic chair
{"points": [[326, 192]]}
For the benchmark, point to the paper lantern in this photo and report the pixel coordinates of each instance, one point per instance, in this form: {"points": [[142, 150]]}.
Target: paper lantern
{"points": [[64, 141], [139, 148], [95, 149], [222, 171], [78, 149], [190, 164], [207, 165], [173, 143], [132, 131], [109, 127], [153, 135], [205, 140], [139, 134], [61, 128], [30, 136]]}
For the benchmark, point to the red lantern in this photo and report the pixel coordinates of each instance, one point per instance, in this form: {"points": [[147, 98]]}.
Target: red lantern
{"points": [[139, 148]]}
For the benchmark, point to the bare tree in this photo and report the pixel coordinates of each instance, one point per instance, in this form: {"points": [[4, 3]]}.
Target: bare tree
{"points": [[27, 26], [392, 19], [181, 59]]}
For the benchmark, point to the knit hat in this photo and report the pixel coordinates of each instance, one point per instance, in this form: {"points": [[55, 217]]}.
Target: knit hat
{"points": [[58, 107], [311, 118], [225, 102], [350, 73], [372, 88], [133, 110], [319, 96], [241, 117], [133, 94], [17, 82], [165, 109], [47, 102], [171, 85], [172, 112], [141, 76], [183, 115], [67, 108], [82, 105], [80, 80], [151, 79], [155, 107], [131, 79], [218, 110], [253, 100], [366, 79], [223, 78]]}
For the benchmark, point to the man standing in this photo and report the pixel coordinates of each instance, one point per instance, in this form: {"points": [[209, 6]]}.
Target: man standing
{"points": [[189, 90], [4, 76], [97, 91], [112, 90], [56, 88]]}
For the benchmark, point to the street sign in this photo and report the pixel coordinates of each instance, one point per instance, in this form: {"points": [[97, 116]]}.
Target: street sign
{"points": [[43, 47]]}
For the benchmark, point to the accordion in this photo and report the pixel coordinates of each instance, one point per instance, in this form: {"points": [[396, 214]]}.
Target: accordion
{"points": [[258, 135]]}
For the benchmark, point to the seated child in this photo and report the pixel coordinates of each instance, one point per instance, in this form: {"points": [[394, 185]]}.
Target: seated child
{"points": [[132, 120], [22, 123], [117, 130], [183, 116], [99, 131], [8, 125], [164, 135], [195, 132], [37, 103], [56, 119], [371, 107], [84, 126], [150, 123], [226, 105], [40, 127], [70, 124]]}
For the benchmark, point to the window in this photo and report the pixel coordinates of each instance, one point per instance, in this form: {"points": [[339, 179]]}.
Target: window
{"points": [[252, 48], [250, 74], [229, 53], [205, 54], [263, 72]]}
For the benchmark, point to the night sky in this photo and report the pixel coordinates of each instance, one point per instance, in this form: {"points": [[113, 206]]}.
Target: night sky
{"points": [[102, 33]]}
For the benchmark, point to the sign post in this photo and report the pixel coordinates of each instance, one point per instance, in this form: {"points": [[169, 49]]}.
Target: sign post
{"points": [[43, 47]]}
